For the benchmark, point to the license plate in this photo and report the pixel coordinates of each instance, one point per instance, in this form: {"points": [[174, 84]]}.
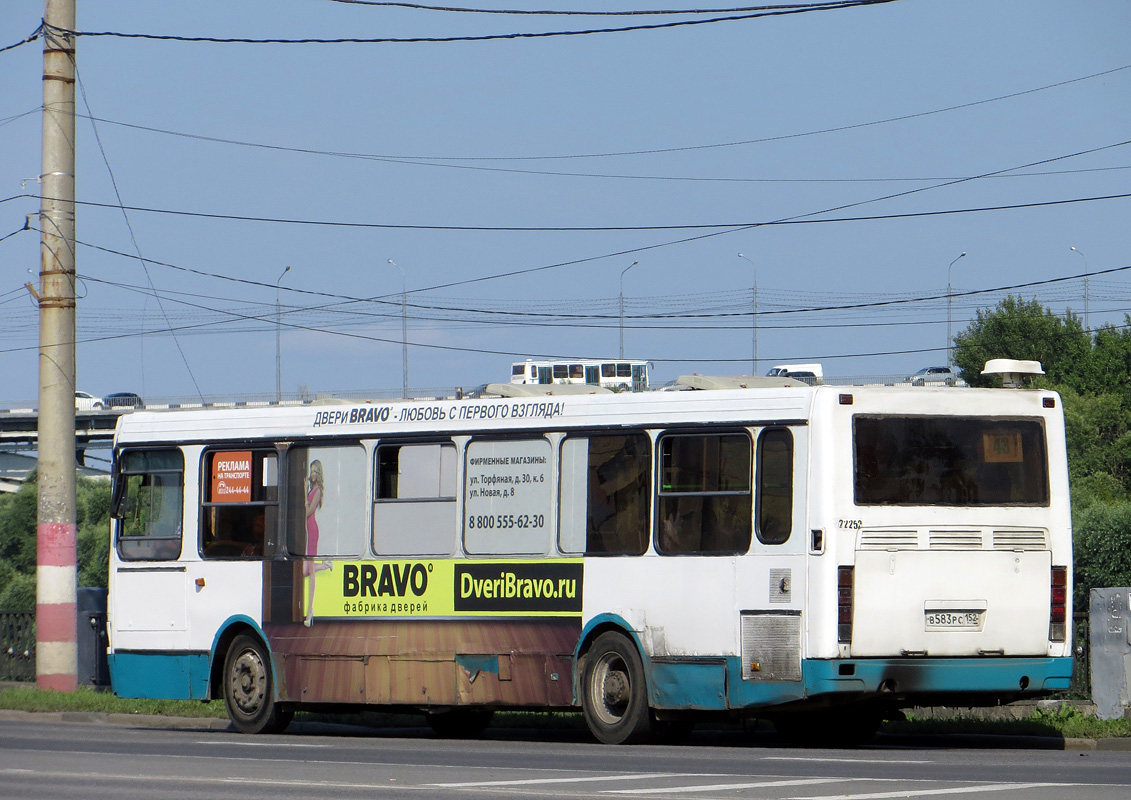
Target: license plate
{"points": [[953, 620]]}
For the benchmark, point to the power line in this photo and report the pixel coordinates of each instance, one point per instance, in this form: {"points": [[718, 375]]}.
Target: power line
{"points": [[15, 117], [777, 12], [782, 137], [236, 316], [441, 163], [30, 38], [795, 219], [126, 218], [26, 227], [824, 308], [534, 320], [548, 12], [614, 228]]}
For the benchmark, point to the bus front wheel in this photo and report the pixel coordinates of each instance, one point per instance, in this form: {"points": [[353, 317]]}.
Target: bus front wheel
{"points": [[614, 694], [249, 691]]}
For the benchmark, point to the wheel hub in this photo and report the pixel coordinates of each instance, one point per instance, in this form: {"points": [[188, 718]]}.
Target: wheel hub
{"points": [[616, 690], [248, 682]]}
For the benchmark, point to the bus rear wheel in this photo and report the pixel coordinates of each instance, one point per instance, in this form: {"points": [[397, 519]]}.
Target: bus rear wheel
{"points": [[614, 695], [249, 690]]}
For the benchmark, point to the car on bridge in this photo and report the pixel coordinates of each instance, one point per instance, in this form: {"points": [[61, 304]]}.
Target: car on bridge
{"points": [[84, 401], [123, 400]]}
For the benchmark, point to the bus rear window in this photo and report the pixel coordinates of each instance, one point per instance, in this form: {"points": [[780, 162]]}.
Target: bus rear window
{"points": [[949, 461]]}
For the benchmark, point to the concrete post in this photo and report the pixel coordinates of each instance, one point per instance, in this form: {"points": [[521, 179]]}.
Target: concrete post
{"points": [[56, 577]]}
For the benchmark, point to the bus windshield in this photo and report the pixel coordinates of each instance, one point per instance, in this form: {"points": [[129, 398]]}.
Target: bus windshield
{"points": [[949, 461]]}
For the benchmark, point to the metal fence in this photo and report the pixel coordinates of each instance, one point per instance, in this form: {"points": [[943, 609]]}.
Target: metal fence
{"points": [[17, 645], [1081, 686]]}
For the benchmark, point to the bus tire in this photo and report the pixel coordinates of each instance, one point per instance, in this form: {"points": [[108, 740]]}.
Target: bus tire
{"points": [[249, 689], [460, 723], [614, 693]]}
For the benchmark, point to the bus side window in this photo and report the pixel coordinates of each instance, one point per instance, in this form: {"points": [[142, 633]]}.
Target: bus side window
{"points": [[775, 486], [414, 508], [605, 494], [704, 494], [148, 504], [240, 503], [325, 500]]}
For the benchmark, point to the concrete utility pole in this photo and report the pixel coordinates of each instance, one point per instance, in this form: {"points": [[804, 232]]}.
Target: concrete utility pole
{"points": [[949, 343], [278, 341], [404, 329], [56, 665], [626, 269], [753, 318]]}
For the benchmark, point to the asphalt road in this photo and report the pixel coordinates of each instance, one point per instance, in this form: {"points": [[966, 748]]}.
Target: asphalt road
{"points": [[48, 758]]}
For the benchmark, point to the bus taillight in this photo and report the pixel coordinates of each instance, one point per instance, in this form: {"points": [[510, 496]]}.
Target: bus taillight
{"points": [[1058, 611], [844, 604]]}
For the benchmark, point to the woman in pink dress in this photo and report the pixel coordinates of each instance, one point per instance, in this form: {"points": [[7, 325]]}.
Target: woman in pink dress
{"points": [[315, 484]]}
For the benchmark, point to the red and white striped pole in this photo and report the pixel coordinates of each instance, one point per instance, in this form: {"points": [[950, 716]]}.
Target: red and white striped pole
{"points": [[56, 665]]}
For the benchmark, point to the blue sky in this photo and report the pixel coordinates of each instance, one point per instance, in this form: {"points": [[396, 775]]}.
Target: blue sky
{"points": [[733, 124]]}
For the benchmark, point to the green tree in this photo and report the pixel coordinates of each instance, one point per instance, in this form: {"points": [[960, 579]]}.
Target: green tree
{"points": [[1092, 373], [93, 556], [6, 575], [1108, 367], [17, 528], [19, 594], [1098, 434], [1024, 330], [1102, 549], [18, 539]]}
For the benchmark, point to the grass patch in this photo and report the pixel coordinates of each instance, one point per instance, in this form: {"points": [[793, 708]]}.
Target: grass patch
{"points": [[29, 698], [1067, 722]]}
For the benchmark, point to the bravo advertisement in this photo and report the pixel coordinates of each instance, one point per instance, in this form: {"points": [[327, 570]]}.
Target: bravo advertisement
{"points": [[449, 588]]}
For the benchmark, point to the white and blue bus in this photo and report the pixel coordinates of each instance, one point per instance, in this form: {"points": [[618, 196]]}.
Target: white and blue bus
{"points": [[820, 556], [618, 375]]}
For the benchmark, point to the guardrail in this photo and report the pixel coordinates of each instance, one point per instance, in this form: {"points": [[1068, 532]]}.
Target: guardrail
{"points": [[17, 645]]}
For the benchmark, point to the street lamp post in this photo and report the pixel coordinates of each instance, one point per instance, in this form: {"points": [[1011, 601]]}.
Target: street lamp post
{"points": [[626, 269], [1086, 271], [404, 330], [949, 349], [753, 318], [278, 349]]}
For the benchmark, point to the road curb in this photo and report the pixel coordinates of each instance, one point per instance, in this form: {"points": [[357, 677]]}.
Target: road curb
{"points": [[949, 740], [151, 721]]}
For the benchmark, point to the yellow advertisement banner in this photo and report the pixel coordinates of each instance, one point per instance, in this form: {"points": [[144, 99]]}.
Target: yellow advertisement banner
{"points": [[447, 588]]}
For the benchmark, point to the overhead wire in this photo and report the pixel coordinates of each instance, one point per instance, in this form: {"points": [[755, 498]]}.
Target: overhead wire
{"points": [[236, 316], [575, 13], [6, 120], [837, 5], [882, 217], [27, 40], [739, 229], [441, 163], [1090, 274], [126, 217], [613, 154], [798, 220], [601, 322]]}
